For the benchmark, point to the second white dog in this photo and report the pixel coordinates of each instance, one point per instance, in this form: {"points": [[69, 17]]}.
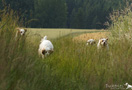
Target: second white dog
{"points": [[90, 41], [45, 47], [128, 86]]}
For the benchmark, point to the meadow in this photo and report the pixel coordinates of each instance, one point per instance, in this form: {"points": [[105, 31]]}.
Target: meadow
{"points": [[57, 33], [36, 34], [72, 66]]}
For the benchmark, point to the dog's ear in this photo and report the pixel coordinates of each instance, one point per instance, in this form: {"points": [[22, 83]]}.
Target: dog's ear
{"points": [[102, 40], [107, 39], [51, 51], [17, 28], [25, 29], [44, 52]]}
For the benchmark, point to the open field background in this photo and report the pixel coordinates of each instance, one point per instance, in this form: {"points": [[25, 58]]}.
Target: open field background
{"points": [[55, 33], [34, 35]]}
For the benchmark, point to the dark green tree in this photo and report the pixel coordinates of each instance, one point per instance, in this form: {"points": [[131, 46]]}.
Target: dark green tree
{"points": [[24, 8], [50, 13], [65, 13], [77, 19]]}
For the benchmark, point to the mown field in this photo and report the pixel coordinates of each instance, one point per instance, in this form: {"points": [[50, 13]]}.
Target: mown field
{"points": [[34, 35], [55, 33]]}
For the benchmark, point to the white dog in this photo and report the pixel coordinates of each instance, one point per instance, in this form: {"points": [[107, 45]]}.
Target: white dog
{"points": [[90, 41], [45, 47], [128, 86], [20, 32], [103, 43]]}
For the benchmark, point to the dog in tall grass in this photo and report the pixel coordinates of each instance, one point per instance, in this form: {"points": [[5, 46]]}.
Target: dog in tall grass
{"points": [[45, 47], [90, 42], [128, 86], [103, 43], [20, 32]]}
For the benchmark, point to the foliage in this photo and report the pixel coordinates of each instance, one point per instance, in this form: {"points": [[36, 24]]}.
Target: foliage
{"points": [[65, 13], [24, 8], [122, 24], [50, 13]]}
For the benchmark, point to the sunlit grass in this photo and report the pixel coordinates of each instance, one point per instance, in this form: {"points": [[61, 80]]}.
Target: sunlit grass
{"points": [[55, 33], [34, 35]]}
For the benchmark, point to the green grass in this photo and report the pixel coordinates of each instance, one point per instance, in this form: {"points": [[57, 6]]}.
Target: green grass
{"points": [[72, 66]]}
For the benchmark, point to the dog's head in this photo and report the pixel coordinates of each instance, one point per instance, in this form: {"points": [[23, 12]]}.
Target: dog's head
{"points": [[21, 31], [126, 84], [46, 53], [103, 41]]}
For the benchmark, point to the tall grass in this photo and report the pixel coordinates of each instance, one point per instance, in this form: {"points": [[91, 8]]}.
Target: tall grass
{"points": [[15, 60], [122, 23], [72, 66]]}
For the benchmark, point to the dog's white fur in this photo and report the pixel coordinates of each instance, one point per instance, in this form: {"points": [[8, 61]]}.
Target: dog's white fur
{"points": [[44, 38], [20, 31], [103, 43], [45, 47], [90, 41], [128, 86]]}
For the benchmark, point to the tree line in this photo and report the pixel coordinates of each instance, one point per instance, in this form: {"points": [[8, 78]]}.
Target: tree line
{"points": [[64, 13]]}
